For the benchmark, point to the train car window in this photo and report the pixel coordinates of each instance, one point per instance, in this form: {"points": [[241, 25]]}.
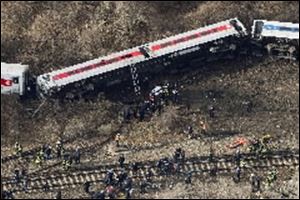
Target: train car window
{"points": [[283, 28], [16, 80], [270, 27]]}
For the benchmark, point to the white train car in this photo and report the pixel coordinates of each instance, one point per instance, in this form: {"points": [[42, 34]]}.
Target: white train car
{"points": [[14, 78], [280, 39], [212, 39]]}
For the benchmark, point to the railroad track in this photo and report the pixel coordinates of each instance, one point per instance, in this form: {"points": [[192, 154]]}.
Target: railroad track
{"points": [[11, 161], [196, 165]]}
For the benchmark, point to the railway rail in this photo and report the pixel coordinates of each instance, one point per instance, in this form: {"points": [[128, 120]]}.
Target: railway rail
{"points": [[28, 155], [196, 165]]}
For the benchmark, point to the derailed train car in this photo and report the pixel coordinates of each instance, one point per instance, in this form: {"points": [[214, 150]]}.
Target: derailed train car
{"points": [[14, 78], [280, 39], [215, 40]]}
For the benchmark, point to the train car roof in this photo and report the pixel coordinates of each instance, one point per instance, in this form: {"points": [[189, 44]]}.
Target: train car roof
{"points": [[13, 68]]}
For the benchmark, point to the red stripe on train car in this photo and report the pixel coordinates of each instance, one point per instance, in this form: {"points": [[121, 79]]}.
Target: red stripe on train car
{"points": [[60, 76], [136, 53], [190, 37], [96, 65], [156, 47], [6, 82]]}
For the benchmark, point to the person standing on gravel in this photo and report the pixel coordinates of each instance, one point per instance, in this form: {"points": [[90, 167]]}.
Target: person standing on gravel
{"points": [[272, 176], [17, 177], [18, 149], [86, 187], [7, 195], [247, 105], [59, 148], [237, 157], [177, 155], [109, 178], [128, 193], [237, 175], [203, 128], [255, 183], [121, 161], [175, 96], [117, 139], [48, 151], [143, 185], [66, 164], [211, 153], [149, 174], [98, 195], [134, 167], [211, 111], [111, 192], [25, 184], [38, 161], [189, 131], [41, 154], [121, 177], [188, 178], [77, 155]]}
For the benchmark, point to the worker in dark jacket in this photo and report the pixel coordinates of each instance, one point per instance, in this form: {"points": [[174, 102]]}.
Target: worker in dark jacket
{"points": [[237, 157], [59, 148], [77, 155], [121, 161], [211, 111], [48, 151], [248, 105], [134, 166], [143, 185], [109, 179], [99, 195], [237, 175], [255, 183], [17, 177], [188, 178], [86, 187]]}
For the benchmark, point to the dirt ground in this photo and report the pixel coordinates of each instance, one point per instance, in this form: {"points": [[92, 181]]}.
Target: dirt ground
{"points": [[272, 86]]}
